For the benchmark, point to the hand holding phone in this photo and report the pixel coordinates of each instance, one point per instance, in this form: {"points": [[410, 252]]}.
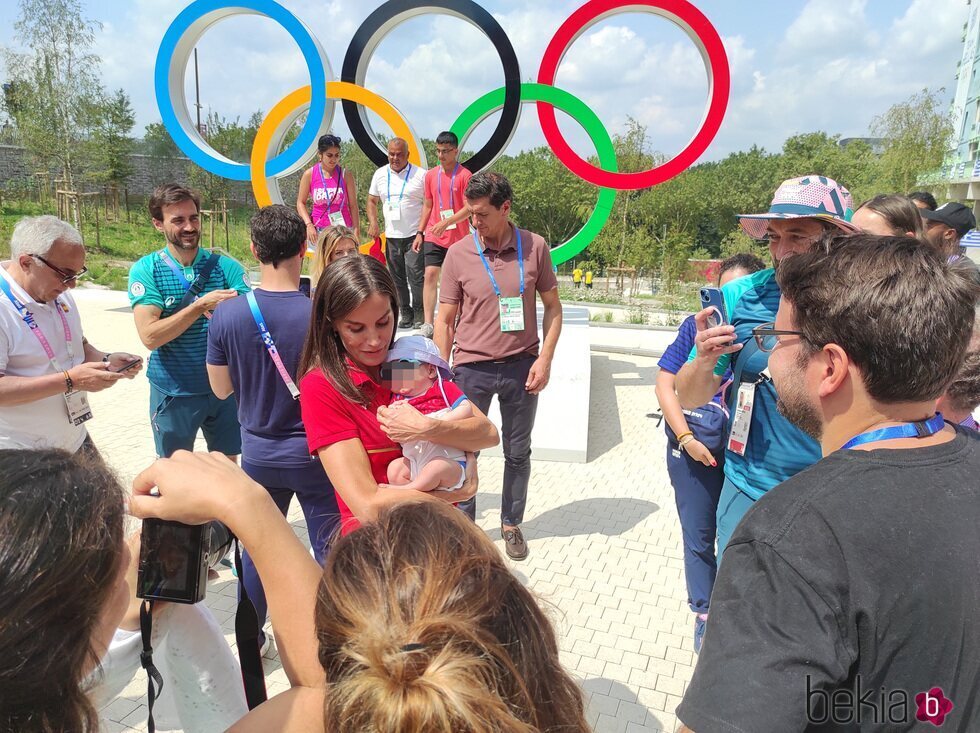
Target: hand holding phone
{"points": [[126, 366], [713, 298]]}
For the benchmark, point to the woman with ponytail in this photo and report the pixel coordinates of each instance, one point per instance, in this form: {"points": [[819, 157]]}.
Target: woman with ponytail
{"points": [[414, 626]]}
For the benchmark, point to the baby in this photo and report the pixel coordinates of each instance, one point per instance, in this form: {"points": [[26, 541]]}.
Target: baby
{"points": [[418, 375]]}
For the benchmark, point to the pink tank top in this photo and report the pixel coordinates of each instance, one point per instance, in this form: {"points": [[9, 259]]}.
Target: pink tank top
{"points": [[328, 196]]}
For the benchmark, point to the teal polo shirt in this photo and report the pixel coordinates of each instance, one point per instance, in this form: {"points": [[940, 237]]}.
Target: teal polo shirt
{"points": [[776, 449], [178, 367]]}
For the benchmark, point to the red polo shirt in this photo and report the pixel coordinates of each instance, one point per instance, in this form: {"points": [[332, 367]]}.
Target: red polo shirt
{"points": [[330, 417]]}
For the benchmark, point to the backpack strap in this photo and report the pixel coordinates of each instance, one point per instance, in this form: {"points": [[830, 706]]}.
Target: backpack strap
{"points": [[200, 282]]}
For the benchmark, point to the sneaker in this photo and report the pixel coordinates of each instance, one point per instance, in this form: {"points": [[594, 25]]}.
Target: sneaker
{"points": [[514, 543], [700, 623], [418, 325], [406, 321], [427, 330]]}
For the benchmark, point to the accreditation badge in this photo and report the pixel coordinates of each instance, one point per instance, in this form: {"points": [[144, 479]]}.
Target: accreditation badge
{"points": [[739, 436], [78, 408], [447, 214], [337, 219], [392, 210], [511, 314]]}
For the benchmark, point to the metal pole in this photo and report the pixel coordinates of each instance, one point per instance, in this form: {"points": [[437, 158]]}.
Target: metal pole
{"points": [[197, 92]]}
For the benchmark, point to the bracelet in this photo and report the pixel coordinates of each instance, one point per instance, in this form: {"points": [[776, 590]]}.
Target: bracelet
{"points": [[684, 435], [69, 386]]}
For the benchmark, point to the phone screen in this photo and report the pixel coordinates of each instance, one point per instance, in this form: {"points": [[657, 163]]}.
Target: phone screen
{"points": [[305, 285], [127, 365]]}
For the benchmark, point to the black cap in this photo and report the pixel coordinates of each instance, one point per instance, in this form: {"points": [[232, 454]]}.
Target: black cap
{"points": [[953, 215]]}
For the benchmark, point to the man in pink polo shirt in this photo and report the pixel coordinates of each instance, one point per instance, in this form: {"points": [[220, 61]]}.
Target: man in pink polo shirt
{"points": [[488, 315], [443, 221]]}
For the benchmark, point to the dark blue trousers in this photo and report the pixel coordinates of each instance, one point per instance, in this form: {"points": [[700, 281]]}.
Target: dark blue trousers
{"points": [[316, 496], [697, 489]]}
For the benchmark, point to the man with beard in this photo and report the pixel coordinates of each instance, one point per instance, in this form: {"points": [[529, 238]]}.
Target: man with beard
{"points": [[172, 292], [763, 449], [847, 599]]}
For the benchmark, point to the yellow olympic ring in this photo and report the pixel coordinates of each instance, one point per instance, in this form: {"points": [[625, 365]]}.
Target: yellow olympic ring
{"points": [[282, 116]]}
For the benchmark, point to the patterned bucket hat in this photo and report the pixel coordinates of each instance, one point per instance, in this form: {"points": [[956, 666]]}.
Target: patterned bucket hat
{"points": [[808, 197]]}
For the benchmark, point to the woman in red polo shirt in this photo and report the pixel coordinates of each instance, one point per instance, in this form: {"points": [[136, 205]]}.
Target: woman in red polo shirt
{"points": [[345, 407]]}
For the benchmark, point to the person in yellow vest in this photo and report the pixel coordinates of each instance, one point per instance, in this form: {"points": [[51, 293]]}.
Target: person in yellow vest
{"points": [[588, 279], [577, 277]]}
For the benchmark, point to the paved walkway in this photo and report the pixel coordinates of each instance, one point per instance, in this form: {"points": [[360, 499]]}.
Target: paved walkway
{"points": [[604, 538]]}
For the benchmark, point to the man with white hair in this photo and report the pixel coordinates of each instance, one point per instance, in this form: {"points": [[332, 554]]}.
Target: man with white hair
{"points": [[46, 365]]}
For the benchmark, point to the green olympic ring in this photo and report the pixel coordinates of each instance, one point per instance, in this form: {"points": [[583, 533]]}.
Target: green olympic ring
{"points": [[590, 122]]}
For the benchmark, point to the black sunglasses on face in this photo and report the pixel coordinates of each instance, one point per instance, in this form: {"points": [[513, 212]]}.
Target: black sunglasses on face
{"points": [[767, 337], [66, 277]]}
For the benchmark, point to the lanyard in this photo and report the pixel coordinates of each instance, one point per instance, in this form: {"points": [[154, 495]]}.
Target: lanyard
{"points": [[486, 265], [178, 271], [270, 345], [921, 429], [404, 183], [452, 185], [28, 318], [340, 184]]}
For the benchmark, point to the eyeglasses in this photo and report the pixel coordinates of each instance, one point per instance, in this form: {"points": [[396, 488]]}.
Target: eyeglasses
{"points": [[767, 337], [66, 277]]}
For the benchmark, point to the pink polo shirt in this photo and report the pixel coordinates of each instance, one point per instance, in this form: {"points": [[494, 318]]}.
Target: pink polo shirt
{"points": [[465, 283]]}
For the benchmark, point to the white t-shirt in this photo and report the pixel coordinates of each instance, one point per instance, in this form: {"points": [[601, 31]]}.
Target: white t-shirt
{"points": [[412, 178], [43, 423]]}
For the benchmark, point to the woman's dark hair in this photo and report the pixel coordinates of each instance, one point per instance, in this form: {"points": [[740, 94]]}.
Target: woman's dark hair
{"points": [[326, 142], [741, 261], [169, 194], [925, 197], [903, 315], [61, 545], [898, 212], [423, 629], [342, 287]]}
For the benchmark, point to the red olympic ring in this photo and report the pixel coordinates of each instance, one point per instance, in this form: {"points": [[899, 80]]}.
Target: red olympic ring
{"points": [[704, 35]]}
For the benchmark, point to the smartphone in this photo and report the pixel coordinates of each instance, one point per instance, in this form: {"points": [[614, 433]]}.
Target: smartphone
{"points": [[712, 298], [305, 285], [128, 365]]}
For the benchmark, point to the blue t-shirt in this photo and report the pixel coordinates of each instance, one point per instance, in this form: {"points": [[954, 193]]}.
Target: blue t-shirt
{"points": [[272, 429], [177, 367], [776, 448]]}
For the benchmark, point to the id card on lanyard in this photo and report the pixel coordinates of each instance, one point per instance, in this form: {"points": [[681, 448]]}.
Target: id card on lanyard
{"points": [[392, 208], [76, 402], [337, 217], [447, 213], [511, 309], [270, 345], [742, 421]]}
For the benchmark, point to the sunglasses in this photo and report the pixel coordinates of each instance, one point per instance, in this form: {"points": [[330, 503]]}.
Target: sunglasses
{"points": [[767, 336], [66, 277]]}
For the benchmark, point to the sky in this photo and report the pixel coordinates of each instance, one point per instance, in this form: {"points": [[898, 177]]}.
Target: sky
{"points": [[797, 65]]}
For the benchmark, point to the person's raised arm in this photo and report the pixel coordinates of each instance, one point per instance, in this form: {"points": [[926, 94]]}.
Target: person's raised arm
{"points": [[196, 488], [302, 195], [155, 331], [697, 382]]}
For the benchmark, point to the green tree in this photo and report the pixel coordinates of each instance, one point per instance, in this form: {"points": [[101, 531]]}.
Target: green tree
{"points": [[55, 82], [917, 135], [111, 144], [157, 141]]}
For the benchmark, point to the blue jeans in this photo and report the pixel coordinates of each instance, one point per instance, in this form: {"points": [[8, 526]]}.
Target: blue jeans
{"points": [[697, 489], [732, 506], [319, 502]]}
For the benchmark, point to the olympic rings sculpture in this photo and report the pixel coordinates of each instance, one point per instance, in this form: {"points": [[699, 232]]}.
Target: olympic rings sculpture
{"points": [[319, 98]]}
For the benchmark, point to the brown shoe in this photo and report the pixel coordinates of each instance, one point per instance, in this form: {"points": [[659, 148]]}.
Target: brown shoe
{"points": [[514, 543]]}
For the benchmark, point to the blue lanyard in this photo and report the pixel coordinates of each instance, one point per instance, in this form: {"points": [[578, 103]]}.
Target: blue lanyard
{"points": [[486, 265], [178, 271], [270, 345], [404, 183], [338, 189], [452, 185], [909, 430]]}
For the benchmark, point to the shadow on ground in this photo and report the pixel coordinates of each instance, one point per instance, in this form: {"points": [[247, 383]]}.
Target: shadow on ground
{"points": [[605, 430], [617, 703], [608, 516]]}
